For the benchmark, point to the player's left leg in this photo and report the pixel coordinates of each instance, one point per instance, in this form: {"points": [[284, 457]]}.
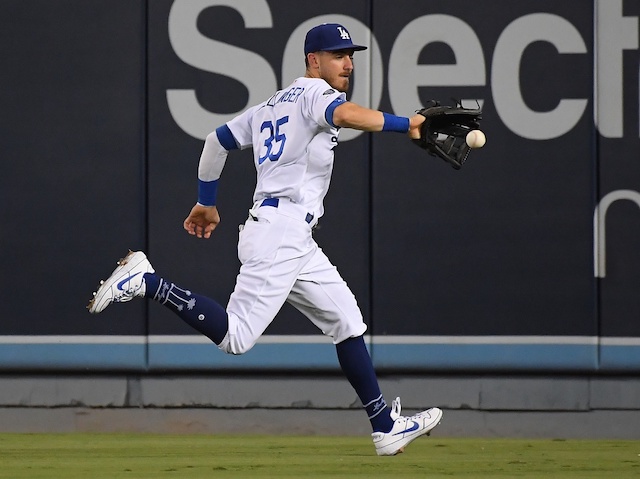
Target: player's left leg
{"points": [[357, 366], [323, 296]]}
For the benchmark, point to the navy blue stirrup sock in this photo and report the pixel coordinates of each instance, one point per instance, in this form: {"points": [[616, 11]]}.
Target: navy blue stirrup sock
{"points": [[201, 313], [357, 366]]}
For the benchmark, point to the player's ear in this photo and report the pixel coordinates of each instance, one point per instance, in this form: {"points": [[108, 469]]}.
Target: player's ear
{"points": [[312, 60]]}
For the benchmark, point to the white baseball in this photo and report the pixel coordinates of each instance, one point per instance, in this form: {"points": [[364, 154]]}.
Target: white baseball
{"points": [[476, 139]]}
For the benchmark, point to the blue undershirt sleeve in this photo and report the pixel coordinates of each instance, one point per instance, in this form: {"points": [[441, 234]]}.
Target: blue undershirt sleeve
{"points": [[226, 139], [328, 113]]}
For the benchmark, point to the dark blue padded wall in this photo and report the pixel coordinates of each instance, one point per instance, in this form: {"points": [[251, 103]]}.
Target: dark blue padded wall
{"points": [[525, 260]]}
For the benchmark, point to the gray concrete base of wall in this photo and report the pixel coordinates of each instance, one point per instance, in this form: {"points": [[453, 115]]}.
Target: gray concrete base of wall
{"points": [[527, 407], [455, 423]]}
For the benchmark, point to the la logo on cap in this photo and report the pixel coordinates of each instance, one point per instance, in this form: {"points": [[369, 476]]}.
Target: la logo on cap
{"points": [[343, 33]]}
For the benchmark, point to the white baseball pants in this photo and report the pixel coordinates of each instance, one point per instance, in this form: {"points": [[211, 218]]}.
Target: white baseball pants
{"points": [[282, 262]]}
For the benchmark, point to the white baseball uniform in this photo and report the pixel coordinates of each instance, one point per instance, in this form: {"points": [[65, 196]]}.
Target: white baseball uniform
{"points": [[293, 137]]}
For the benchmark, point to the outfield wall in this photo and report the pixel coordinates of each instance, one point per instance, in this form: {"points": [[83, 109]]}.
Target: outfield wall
{"points": [[558, 407], [523, 261]]}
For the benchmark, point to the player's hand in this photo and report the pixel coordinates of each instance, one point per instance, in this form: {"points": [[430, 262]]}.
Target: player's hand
{"points": [[414, 126], [202, 220]]}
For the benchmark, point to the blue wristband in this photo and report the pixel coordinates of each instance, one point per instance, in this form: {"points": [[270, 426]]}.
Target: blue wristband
{"points": [[395, 123], [207, 192]]}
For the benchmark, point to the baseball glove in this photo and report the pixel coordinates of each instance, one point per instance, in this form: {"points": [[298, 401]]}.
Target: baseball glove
{"points": [[443, 133]]}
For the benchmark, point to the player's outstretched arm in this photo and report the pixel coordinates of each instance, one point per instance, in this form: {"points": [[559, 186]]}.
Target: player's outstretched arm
{"points": [[352, 115], [202, 220]]}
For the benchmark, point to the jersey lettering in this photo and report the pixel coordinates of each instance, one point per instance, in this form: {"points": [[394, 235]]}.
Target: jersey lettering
{"points": [[292, 95], [275, 136]]}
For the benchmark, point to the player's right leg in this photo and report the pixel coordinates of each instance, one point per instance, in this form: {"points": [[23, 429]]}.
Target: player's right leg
{"points": [[125, 282], [134, 277], [273, 249]]}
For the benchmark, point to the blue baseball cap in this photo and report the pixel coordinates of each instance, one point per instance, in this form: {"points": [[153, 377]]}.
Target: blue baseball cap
{"points": [[329, 37]]}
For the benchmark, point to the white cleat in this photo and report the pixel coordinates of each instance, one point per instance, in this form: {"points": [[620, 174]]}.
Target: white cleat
{"points": [[405, 429], [125, 283]]}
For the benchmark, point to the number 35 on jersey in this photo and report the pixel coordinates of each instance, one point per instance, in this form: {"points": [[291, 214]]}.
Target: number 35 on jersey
{"points": [[275, 139]]}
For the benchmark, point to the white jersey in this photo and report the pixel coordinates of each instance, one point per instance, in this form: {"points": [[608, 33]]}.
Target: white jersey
{"points": [[293, 137]]}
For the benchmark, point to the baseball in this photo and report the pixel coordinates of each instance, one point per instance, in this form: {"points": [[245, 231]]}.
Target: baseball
{"points": [[476, 139]]}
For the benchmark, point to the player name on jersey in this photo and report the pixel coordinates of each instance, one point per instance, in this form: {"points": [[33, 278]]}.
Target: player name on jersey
{"points": [[291, 95]]}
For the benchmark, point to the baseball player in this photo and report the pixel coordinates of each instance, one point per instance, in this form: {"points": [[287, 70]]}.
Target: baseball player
{"points": [[292, 134]]}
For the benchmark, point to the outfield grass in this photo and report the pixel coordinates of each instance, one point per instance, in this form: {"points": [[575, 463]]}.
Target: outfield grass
{"points": [[72, 456]]}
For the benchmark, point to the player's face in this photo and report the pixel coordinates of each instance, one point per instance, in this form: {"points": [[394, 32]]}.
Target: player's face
{"points": [[336, 68]]}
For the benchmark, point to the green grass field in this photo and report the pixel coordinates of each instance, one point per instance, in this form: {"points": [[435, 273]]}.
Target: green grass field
{"points": [[71, 456]]}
